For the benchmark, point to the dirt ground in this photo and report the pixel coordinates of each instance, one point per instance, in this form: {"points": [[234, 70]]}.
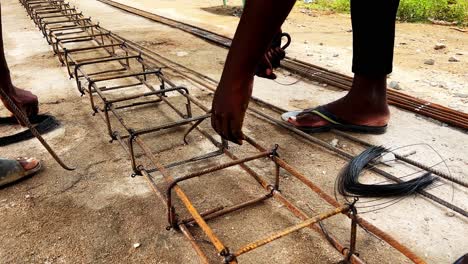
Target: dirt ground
{"points": [[96, 213]]}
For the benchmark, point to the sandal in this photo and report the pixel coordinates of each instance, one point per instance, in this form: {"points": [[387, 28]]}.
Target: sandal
{"points": [[334, 123], [12, 170]]}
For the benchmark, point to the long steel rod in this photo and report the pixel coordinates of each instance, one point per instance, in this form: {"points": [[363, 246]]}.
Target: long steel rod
{"points": [[290, 230]]}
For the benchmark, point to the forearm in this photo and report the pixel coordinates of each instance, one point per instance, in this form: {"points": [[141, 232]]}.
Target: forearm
{"points": [[260, 21]]}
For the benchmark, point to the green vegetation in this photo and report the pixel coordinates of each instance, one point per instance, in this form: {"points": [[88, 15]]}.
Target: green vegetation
{"points": [[409, 10]]}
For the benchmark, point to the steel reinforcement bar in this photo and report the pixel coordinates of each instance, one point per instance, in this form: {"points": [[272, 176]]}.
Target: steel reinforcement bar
{"points": [[114, 62]]}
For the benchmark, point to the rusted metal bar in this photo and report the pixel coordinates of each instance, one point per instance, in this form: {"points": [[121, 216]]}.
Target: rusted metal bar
{"points": [[288, 231], [170, 125], [146, 94], [222, 250], [295, 210], [227, 210], [170, 209], [201, 254]]}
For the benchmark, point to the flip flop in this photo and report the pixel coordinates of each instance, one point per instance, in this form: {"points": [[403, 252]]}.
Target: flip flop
{"points": [[334, 123], [11, 170]]}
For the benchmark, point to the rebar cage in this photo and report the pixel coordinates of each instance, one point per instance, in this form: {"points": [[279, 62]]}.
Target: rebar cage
{"points": [[120, 78]]}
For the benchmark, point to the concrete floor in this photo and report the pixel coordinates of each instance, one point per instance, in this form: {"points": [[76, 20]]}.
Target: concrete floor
{"points": [[97, 213]]}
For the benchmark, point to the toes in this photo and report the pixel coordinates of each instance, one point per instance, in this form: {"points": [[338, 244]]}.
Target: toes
{"points": [[307, 120], [28, 163]]}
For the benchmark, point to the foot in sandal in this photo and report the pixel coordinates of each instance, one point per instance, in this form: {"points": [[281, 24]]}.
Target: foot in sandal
{"points": [[364, 110], [14, 170]]}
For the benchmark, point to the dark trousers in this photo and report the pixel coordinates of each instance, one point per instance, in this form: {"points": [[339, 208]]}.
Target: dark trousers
{"points": [[373, 35]]}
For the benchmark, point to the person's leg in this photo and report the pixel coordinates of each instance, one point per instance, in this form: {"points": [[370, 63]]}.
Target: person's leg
{"points": [[373, 41], [25, 100]]}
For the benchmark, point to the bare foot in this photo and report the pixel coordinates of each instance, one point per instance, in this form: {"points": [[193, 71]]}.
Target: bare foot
{"points": [[365, 104]]}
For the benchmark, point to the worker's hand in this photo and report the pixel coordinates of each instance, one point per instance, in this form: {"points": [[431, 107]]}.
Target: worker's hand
{"points": [[25, 100], [270, 61], [228, 110]]}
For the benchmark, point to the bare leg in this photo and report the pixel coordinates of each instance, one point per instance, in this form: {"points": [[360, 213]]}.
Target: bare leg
{"points": [[25, 100]]}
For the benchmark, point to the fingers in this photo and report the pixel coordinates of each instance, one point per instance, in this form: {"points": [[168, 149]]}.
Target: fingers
{"points": [[235, 131], [271, 60], [277, 54], [227, 128]]}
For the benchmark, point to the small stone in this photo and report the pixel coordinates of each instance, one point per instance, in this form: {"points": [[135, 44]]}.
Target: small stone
{"points": [[136, 245], [459, 54], [306, 42], [453, 59], [439, 46], [426, 219], [395, 85], [449, 214], [433, 84], [460, 95], [27, 196], [429, 62], [334, 142], [181, 53], [324, 172], [336, 55], [309, 54], [324, 85], [321, 44], [403, 43], [349, 30]]}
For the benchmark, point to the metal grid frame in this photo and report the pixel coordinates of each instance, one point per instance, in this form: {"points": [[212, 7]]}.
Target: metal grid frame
{"points": [[70, 27]]}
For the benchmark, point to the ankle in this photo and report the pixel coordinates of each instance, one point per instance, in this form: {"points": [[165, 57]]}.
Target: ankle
{"points": [[369, 89]]}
